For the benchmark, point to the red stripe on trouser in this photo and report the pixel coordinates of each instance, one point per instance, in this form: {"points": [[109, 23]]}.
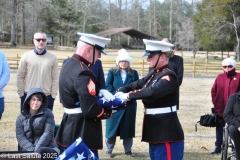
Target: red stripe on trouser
{"points": [[168, 149]]}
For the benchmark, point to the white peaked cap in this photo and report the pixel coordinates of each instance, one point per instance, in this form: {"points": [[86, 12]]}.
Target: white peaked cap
{"points": [[123, 56], [94, 40], [229, 61], [152, 45]]}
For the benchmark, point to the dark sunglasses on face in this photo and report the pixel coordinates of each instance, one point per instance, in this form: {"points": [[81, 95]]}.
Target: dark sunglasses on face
{"points": [[229, 66], [38, 39], [150, 56]]}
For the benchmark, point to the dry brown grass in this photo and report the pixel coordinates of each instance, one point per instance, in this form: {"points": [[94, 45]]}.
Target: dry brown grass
{"points": [[195, 100]]}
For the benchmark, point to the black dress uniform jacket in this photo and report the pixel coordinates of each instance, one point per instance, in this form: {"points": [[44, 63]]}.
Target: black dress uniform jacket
{"points": [[78, 83], [158, 89], [176, 65]]}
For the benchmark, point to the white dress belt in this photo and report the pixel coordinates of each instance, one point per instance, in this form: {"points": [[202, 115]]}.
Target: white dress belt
{"points": [[160, 110], [72, 110]]}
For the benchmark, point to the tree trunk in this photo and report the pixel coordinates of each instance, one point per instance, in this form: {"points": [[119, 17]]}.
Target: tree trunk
{"points": [[150, 19], [238, 52], [109, 14], [13, 26], [154, 19], [23, 25], [170, 29]]}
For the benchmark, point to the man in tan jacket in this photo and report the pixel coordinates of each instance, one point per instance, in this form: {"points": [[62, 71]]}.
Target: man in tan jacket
{"points": [[38, 68]]}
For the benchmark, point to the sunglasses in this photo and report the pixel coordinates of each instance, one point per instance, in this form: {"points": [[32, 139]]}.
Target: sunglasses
{"points": [[43, 40], [229, 66], [151, 56]]}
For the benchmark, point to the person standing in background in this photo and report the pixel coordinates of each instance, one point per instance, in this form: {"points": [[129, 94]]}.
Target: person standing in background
{"points": [[175, 63], [4, 79], [225, 84], [38, 68], [122, 122]]}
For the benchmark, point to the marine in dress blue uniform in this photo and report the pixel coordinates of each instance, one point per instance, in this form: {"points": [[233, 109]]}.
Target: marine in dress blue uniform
{"points": [[159, 91], [77, 83]]}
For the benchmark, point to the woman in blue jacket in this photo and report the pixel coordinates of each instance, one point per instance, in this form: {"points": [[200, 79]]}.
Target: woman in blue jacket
{"points": [[4, 78], [122, 122]]}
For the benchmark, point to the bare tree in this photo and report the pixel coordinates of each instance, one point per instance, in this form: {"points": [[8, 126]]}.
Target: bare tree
{"points": [[13, 26], [186, 38], [23, 24]]}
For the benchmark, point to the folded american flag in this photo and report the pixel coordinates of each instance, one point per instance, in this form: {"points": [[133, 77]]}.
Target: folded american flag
{"points": [[77, 150], [116, 104]]}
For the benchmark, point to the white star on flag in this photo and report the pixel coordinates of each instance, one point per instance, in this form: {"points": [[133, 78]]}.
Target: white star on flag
{"points": [[78, 141], [80, 156], [62, 156], [92, 154], [103, 99]]}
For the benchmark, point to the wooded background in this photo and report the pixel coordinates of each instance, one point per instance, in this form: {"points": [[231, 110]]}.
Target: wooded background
{"points": [[210, 25]]}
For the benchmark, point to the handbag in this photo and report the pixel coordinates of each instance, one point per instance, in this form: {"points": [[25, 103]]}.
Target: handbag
{"points": [[208, 120]]}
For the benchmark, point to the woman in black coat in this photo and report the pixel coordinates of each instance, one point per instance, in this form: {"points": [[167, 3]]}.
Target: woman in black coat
{"points": [[35, 126], [231, 116]]}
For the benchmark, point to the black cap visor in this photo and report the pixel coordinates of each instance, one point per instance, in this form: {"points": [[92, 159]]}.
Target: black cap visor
{"points": [[148, 53]]}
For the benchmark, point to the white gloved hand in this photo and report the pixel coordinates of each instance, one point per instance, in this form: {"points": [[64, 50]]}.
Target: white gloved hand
{"points": [[123, 97], [106, 94], [118, 94]]}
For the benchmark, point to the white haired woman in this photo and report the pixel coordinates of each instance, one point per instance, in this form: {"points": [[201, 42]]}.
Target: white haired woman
{"points": [[122, 122], [225, 84]]}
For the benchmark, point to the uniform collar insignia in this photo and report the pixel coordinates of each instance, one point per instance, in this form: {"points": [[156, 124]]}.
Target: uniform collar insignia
{"points": [[84, 61]]}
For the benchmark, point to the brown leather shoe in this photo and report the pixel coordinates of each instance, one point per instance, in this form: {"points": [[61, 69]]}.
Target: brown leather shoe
{"points": [[130, 154], [109, 154]]}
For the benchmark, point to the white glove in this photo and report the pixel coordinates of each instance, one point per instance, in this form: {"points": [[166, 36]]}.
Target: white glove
{"points": [[118, 94], [123, 97], [106, 94]]}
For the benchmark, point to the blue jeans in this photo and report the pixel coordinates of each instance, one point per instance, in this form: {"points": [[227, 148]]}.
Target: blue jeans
{"points": [[49, 99], [1, 106], [166, 151]]}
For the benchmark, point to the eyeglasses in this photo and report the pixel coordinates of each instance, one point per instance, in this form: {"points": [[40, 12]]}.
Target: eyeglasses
{"points": [[151, 56], [39, 39], [229, 66]]}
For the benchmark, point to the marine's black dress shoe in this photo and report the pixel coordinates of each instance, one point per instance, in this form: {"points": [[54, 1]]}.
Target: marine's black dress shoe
{"points": [[216, 150]]}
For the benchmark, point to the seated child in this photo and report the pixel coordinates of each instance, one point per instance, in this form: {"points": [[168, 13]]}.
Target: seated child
{"points": [[35, 126]]}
